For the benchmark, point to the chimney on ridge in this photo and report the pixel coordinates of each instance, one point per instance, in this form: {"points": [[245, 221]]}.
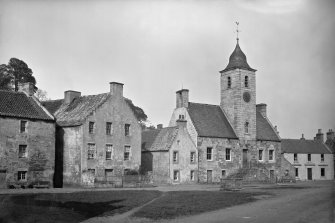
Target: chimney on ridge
{"points": [[182, 98], [319, 136], [70, 95], [116, 89]]}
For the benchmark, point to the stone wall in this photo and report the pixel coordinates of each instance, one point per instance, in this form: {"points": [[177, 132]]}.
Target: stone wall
{"points": [[184, 145], [315, 164], [218, 163], [40, 160], [237, 110], [76, 140]]}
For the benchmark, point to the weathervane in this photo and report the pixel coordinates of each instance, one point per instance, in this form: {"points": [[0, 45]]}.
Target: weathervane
{"points": [[237, 31]]}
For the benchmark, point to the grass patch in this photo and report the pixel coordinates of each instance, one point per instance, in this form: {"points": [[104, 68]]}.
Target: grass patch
{"points": [[70, 207], [182, 203]]}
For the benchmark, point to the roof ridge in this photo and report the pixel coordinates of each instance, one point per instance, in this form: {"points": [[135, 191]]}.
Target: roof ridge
{"points": [[204, 104]]}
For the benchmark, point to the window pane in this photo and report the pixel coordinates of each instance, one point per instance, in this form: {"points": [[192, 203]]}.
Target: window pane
{"points": [[108, 128], [209, 153], [23, 125], [270, 154], [91, 127], [227, 154], [126, 152], [260, 154], [126, 129], [91, 151], [22, 151], [109, 150]]}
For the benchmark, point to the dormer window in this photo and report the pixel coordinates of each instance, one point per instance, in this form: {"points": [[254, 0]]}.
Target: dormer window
{"points": [[229, 82], [246, 127], [246, 81]]}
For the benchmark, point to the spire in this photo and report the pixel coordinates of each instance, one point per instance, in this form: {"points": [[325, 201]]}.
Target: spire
{"points": [[237, 59]]}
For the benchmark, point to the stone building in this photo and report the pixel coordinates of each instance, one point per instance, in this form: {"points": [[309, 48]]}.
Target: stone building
{"points": [[27, 139], [170, 154], [234, 138], [311, 159], [97, 136], [330, 142]]}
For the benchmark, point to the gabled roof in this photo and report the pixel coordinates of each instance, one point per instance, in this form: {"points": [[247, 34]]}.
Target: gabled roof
{"points": [[210, 121], [20, 105], [303, 146], [264, 130], [159, 139], [76, 112]]}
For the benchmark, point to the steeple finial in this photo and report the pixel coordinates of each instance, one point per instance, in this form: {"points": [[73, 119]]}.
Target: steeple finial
{"points": [[237, 31]]}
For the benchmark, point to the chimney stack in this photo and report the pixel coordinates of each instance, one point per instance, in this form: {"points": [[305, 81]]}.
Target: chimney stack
{"points": [[181, 123], [116, 89], [319, 136], [69, 96], [27, 88], [262, 109], [330, 135], [302, 137], [182, 98], [159, 126]]}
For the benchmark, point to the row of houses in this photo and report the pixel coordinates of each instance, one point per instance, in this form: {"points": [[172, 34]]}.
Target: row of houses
{"points": [[73, 140]]}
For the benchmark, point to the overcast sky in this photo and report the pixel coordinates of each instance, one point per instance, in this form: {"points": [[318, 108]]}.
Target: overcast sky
{"points": [[156, 47]]}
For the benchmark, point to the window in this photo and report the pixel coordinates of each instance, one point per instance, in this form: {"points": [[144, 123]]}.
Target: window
{"points": [[246, 127], [228, 157], [22, 151], [209, 153], [91, 151], [23, 126], [91, 127], [126, 152], [192, 175], [175, 157], [192, 157], [260, 154], [22, 175], [229, 82], [295, 157], [182, 117], [323, 172], [127, 129], [109, 151], [223, 173], [296, 172], [246, 81], [271, 154], [92, 171], [176, 175], [322, 157], [309, 157], [108, 128]]}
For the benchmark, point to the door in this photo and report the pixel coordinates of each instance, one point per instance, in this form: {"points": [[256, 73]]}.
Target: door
{"points": [[245, 158], [2, 178], [209, 176], [272, 175], [309, 173]]}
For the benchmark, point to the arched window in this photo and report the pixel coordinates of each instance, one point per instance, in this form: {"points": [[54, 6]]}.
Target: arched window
{"points": [[229, 82], [246, 81], [246, 127]]}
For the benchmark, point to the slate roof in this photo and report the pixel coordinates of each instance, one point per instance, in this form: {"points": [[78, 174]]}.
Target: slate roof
{"points": [[20, 105], [75, 113], [264, 130], [209, 121], [303, 146], [237, 60], [159, 139]]}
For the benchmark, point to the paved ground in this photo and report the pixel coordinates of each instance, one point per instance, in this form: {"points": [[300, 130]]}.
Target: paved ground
{"points": [[303, 202]]}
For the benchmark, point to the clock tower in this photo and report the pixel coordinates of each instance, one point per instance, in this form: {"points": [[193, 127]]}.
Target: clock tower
{"points": [[238, 94]]}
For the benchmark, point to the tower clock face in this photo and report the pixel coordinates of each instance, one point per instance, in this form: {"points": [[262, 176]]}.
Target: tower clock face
{"points": [[246, 97]]}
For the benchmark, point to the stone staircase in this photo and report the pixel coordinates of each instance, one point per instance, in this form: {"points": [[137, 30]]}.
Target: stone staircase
{"points": [[252, 175]]}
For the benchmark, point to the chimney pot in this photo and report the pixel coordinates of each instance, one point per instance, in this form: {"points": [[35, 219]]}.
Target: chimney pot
{"points": [[70, 95]]}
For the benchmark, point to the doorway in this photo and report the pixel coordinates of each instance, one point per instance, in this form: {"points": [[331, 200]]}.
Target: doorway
{"points": [[209, 176], [2, 178], [245, 158], [309, 174]]}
